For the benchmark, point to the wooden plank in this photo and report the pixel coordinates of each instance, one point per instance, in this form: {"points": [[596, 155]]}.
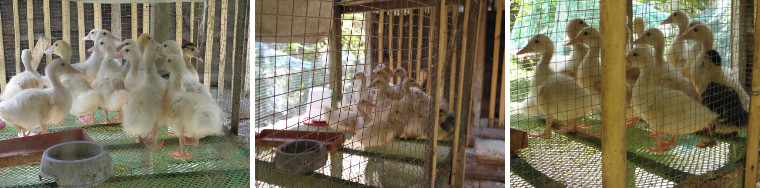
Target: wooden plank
{"points": [[431, 32], [409, 48], [133, 26], [234, 41], [495, 66], [80, 30], [490, 151], [420, 24], [453, 66], [335, 63], [16, 36], [210, 18], [391, 15], [475, 170], [116, 20], [753, 131], [178, 17], [2, 58], [192, 26], [146, 18], [66, 16], [381, 37], [238, 63], [400, 39], [30, 23], [432, 149], [459, 89], [613, 92], [222, 50], [46, 21], [98, 15]]}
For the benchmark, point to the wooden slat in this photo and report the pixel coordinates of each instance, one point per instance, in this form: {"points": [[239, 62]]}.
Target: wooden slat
{"points": [[46, 21], [400, 39], [30, 23], [234, 61], [420, 24], [66, 16], [496, 63], [222, 50], [133, 26], [453, 67], [409, 45], [116, 20], [753, 131], [459, 88], [146, 18], [431, 31], [613, 92], [381, 37], [192, 26], [238, 63], [432, 149], [16, 36], [2, 58], [98, 15], [391, 15], [80, 30], [209, 44], [334, 64], [178, 17]]}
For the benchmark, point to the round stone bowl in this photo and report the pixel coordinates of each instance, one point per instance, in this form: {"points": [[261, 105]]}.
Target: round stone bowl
{"points": [[76, 164], [300, 156]]}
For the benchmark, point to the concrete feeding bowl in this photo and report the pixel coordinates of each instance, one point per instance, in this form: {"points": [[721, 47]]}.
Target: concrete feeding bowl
{"points": [[301, 156], [76, 164]]}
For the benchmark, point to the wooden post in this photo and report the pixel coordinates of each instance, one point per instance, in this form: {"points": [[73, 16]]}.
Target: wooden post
{"points": [[17, 37], [420, 24], [222, 50], [178, 22], [334, 48], [380, 38], [613, 93], [234, 40], [66, 16], [495, 66], [453, 67], [97, 15], [2, 58], [400, 39], [238, 63], [30, 23], [431, 32], [81, 31], [409, 45], [210, 18], [391, 15], [753, 132], [116, 20], [192, 25], [46, 21], [146, 18], [160, 22], [133, 26], [432, 149]]}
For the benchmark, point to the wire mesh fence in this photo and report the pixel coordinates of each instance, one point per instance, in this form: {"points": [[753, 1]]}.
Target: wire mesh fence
{"points": [[373, 93], [221, 44], [686, 105]]}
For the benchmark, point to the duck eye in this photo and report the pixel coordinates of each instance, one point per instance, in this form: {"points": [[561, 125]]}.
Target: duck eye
{"points": [[63, 64], [536, 41], [56, 44], [648, 34], [101, 42], [164, 45], [104, 34], [581, 22], [695, 29], [675, 14], [127, 50], [127, 44], [168, 60], [635, 54]]}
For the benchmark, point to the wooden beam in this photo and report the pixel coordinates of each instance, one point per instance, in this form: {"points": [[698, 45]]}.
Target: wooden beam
{"points": [[391, 15], [388, 6], [66, 16], [30, 23], [46, 21], [453, 67], [192, 26], [400, 62], [133, 26], [431, 32], [178, 22], [3, 73], [495, 65], [146, 18], [97, 9], [380, 38], [432, 150], [81, 31], [16, 37], [459, 89], [753, 132], [234, 41], [613, 93], [222, 50], [409, 48], [238, 63], [334, 48], [116, 20], [208, 57], [420, 24]]}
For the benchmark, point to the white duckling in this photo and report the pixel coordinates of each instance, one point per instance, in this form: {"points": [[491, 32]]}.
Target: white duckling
{"points": [[382, 101], [34, 108], [110, 82], [91, 66], [189, 50], [133, 76], [191, 115], [579, 50], [29, 79], [557, 95], [667, 111], [85, 99], [678, 51], [378, 132], [143, 110], [191, 84], [663, 72]]}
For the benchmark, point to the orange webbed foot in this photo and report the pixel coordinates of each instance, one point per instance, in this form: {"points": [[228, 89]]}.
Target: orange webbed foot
{"points": [[181, 155], [540, 134], [706, 144]]}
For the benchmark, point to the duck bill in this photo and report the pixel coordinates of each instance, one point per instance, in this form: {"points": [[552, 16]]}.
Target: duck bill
{"points": [[639, 41], [371, 105], [93, 48], [50, 50], [416, 85], [114, 38], [198, 58], [667, 21], [627, 60], [117, 56], [525, 50], [88, 37], [156, 43], [576, 40]]}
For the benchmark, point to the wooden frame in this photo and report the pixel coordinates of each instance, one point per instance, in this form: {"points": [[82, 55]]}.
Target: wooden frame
{"points": [[178, 24], [80, 30], [222, 49], [439, 21], [753, 131], [16, 37], [146, 18], [209, 43], [495, 66], [133, 11], [46, 21], [613, 92]]}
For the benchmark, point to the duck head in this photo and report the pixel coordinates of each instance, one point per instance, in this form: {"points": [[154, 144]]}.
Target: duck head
{"points": [[588, 36], [652, 37], [145, 40], [538, 44], [60, 48], [639, 57], [189, 50], [574, 26], [699, 33]]}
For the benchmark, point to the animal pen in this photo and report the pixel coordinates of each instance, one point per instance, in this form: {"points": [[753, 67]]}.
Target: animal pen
{"points": [[607, 152], [308, 87], [218, 28]]}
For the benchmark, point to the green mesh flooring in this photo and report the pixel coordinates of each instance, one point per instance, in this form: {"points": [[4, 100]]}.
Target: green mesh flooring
{"points": [[397, 164], [575, 159], [220, 161]]}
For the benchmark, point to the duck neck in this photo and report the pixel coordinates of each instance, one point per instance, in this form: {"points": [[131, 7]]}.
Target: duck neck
{"points": [[706, 44], [683, 27], [56, 84], [134, 66], [659, 52], [593, 51], [176, 81]]}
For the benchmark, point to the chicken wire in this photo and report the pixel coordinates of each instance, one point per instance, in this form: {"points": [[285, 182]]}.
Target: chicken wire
{"points": [[575, 159], [218, 160], [293, 69]]}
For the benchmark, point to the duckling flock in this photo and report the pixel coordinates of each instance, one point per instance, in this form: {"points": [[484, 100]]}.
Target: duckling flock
{"points": [[684, 93], [382, 112], [118, 76]]}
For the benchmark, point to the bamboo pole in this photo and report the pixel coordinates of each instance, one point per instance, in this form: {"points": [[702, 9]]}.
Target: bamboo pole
{"points": [[192, 25], [400, 39], [753, 132], [116, 20], [146, 18], [178, 17], [2, 58], [46, 21], [409, 45], [16, 36], [80, 30], [222, 50], [460, 90], [238, 63], [391, 15], [380, 37], [98, 15], [66, 16], [334, 48], [432, 149], [234, 41], [613, 93], [419, 43], [30, 23], [431, 13], [133, 25], [453, 67], [209, 44], [496, 63]]}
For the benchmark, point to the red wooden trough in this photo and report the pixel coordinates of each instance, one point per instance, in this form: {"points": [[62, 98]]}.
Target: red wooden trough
{"points": [[28, 150], [275, 138]]}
